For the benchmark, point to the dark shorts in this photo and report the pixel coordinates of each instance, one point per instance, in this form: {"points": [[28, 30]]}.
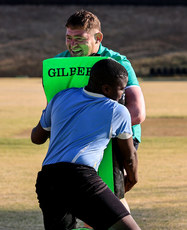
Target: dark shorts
{"points": [[76, 189]]}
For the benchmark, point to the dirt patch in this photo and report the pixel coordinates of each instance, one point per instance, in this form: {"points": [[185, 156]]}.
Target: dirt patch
{"points": [[164, 127]]}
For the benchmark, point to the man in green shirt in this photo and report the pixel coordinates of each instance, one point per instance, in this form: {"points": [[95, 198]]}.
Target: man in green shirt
{"points": [[83, 38]]}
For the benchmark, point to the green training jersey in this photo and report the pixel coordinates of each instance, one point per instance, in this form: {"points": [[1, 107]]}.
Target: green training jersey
{"points": [[132, 79]]}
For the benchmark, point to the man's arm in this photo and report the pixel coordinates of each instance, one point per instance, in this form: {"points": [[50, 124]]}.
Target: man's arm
{"points": [[39, 135], [130, 161], [134, 101]]}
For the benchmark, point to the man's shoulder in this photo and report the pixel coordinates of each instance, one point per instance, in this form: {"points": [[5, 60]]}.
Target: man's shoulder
{"points": [[120, 110], [104, 51], [72, 90], [67, 93], [121, 121], [66, 53], [132, 79]]}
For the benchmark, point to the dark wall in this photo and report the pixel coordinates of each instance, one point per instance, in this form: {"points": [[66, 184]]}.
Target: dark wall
{"points": [[88, 2]]}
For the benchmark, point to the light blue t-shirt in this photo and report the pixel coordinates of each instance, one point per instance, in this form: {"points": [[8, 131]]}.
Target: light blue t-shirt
{"points": [[82, 124], [132, 79]]}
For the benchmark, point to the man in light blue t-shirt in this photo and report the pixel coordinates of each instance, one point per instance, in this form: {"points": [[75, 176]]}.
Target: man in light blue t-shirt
{"points": [[80, 123]]}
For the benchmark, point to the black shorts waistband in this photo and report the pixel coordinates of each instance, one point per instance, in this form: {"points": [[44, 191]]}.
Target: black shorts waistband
{"points": [[65, 165]]}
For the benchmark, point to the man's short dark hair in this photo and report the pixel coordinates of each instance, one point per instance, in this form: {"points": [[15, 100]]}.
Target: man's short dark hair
{"points": [[85, 20], [107, 71]]}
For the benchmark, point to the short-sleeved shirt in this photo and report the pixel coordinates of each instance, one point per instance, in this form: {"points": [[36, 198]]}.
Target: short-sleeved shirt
{"points": [[82, 128], [132, 79]]}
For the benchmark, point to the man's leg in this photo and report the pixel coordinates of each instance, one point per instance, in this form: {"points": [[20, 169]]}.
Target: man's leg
{"points": [[55, 215], [124, 202], [101, 209], [126, 223]]}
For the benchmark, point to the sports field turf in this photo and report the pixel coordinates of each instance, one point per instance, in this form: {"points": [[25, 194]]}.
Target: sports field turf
{"points": [[157, 202]]}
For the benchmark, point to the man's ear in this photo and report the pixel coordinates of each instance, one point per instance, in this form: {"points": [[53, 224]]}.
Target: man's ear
{"points": [[106, 90], [98, 37]]}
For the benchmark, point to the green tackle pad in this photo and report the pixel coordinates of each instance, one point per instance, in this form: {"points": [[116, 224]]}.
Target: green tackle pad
{"points": [[64, 73]]}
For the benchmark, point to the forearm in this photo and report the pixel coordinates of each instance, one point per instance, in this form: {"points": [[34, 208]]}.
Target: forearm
{"points": [[39, 135], [130, 162], [131, 168]]}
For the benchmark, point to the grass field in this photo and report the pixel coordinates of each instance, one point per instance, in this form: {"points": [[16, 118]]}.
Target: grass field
{"points": [[157, 202]]}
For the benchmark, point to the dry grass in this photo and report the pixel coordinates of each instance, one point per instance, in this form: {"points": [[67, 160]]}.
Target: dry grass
{"points": [[163, 127], [20, 162], [158, 202], [23, 97], [165, 99]]}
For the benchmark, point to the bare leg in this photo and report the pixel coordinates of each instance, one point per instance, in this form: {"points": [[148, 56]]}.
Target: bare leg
{"points": [[124, 202], [126, 223], [87, 226]]}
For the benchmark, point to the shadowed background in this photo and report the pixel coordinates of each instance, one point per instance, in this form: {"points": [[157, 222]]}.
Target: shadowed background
{"points": [[151, 37]]}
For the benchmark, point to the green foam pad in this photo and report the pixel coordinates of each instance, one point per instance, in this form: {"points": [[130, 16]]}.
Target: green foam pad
{"points": [[63, 73]]}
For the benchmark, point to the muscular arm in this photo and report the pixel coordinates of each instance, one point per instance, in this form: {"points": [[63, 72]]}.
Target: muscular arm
{"points": [[130, 161], [135, 103], [39, 135]]}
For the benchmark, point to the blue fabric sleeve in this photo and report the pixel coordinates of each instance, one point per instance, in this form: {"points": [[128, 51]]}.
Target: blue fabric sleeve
{"points": [[45, 119], [121, 121]]}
